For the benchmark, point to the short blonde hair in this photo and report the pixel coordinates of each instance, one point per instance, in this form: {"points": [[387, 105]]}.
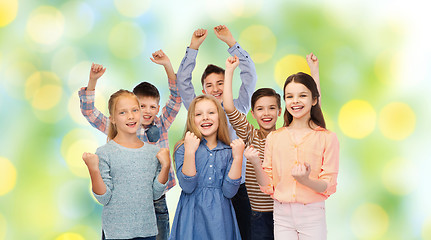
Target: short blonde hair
{"points": [[112, 103]]}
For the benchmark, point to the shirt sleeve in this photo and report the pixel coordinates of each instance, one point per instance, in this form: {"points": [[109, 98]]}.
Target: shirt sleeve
{"points": [[105, 172], [267, 165], [170, 110], [230, 186], [158, 188], [240, 124], [187, 183], [90, 112], [248, 77], [184, 77], [330, 164]]}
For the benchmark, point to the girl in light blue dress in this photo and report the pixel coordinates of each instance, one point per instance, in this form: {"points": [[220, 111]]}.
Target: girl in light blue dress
{"points": [[208, 168]]}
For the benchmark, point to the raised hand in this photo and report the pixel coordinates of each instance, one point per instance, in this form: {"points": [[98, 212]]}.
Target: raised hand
{"points": [[223, 33], [91, 160], [159, 57], [232, 63], [96, 71], [191, 142], [198, 38], [252, 155], [237, 146], [164, 157], [301, 172], [313, 63]]}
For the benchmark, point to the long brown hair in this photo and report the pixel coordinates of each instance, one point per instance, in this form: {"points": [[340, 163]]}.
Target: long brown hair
{"points": [[222, 131], [112, 130], [316, 112]]}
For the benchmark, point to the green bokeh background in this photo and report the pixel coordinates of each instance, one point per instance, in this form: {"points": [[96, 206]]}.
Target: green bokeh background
{"points": [[375, 52]]}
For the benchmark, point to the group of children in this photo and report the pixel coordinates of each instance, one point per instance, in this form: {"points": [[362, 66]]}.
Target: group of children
{"points": [[237, 181]]}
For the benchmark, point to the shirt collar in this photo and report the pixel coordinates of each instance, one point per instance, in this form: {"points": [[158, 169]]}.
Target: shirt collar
{"points": [[220, 145]]}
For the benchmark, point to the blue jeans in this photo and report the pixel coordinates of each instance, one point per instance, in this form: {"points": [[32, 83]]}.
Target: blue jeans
{"points": [[262, 225], [242, 207], [162, 216], [138, 238]]}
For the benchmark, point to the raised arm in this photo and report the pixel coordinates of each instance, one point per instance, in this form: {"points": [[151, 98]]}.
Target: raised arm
{"points": [[231, 64], [173, 105], [232, 177], [313, 63], [248, 71], [185, 163], [86, 98], [184, 74]]}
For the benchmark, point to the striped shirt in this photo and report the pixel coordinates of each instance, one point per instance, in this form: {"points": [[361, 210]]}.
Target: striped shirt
{"points": [[163, 122], [259, 201]]}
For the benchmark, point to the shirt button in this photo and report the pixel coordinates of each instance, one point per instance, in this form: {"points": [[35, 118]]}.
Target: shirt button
{"points": [[209, 178], [211, 154], [211, 165], [294, 195]]}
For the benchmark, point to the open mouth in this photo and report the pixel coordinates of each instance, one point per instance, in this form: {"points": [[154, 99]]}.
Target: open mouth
{"points": [[297, 108], [132, 124], [217, 95], [266, 120], [147, 117], [206, 125]]}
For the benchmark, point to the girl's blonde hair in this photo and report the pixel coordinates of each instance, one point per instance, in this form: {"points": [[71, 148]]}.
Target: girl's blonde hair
{"points": [[112, 129], [222, 131]]}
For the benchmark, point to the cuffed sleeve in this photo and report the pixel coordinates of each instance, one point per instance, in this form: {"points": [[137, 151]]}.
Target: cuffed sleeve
{"points": [[187, 183], [105, 172], [330, 164], [90, 112], [158, 188], [184, 77], [230, 186], [267, 166]]}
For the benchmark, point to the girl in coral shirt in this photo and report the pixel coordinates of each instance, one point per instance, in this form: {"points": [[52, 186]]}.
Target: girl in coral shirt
{"points": [[300, 166]]}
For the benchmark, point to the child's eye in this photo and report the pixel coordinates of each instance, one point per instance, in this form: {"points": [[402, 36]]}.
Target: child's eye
{"points": [[288, 96], [303, 95], [121, 113], [135, 110], [197, 114]]}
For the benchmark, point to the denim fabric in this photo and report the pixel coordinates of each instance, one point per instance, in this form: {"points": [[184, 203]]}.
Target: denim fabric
{"points": [[242, 207], [138, 238], [153, 133], [262, 225], [162, 215]]}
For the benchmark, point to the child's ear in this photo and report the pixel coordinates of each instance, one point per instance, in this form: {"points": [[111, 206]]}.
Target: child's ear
{"points": [[252, 114], [111, 119], [279, 112], [158, 108], [314, 102], [203, 91]]}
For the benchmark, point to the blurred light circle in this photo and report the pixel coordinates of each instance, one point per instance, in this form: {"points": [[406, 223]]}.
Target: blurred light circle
{"points": [[357, 119], [126, 40], [7, 176], [400, 176], [43, 90], [70, 236], [73, 199], [74, 144], [8, 11], [289, 65], [369, 221], [65, 59], [397, 121], [79, 19], [261, 40], [47, 97], [75, 110], [245, 8], [78, 75], [45, 25], [132, 8]]}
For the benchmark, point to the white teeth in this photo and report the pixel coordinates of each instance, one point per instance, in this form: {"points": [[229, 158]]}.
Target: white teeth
{"points": [[296, 108], [206, 125], [147, 117]]}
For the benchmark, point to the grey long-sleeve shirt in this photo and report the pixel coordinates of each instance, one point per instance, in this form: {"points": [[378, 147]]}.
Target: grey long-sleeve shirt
{"points": [[130, 176]]}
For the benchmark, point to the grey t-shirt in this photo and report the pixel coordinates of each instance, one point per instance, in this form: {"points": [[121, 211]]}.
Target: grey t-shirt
{"points": [[130, 176]]}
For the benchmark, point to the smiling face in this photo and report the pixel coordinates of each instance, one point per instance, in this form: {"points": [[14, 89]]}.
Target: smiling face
{"points": [[298, 100], [266, 112], [206, 118], [126, 116], [149, 109], [213, 85]]}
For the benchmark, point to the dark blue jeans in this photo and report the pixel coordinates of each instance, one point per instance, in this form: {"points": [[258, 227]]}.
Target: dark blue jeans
{"points": [[262, 225], [162, 215], [242, 207], [138, 238]]}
